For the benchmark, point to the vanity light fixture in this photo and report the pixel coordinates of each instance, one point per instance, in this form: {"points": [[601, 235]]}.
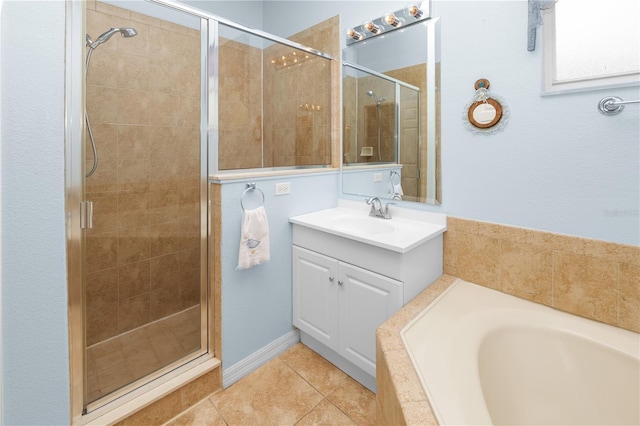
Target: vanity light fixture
{"points": [[391, 21]]}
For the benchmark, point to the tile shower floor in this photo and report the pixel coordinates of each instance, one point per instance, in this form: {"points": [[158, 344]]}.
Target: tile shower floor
{"points": [[132, 355], [298, 387]]}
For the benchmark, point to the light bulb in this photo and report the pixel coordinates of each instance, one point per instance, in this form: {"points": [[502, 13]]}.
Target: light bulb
{"points": [[415, 11], [371, 27], [352, 33], [390, 19]]}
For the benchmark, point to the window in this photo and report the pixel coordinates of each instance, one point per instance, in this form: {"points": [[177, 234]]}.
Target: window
{"points": [[591, 44]]}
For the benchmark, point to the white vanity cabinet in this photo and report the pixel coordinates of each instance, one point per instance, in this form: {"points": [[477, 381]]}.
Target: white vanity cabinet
{"points": [[341, 305], [351, 272]]}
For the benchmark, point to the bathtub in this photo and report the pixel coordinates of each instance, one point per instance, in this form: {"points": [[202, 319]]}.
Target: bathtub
{"points": [[484, 357]]}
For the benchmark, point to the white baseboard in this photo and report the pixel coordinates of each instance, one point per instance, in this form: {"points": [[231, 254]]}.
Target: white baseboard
{"points": [[258, 358]]}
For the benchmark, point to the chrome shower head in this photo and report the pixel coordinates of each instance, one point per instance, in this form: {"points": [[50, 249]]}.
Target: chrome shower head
{"points": [[128, 32], [104, 37], [375, 98]]}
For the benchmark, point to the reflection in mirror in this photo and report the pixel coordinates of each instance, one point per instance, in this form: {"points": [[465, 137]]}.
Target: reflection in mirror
{"points": [[390, 117]]}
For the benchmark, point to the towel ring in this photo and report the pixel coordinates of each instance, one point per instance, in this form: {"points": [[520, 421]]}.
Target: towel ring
{"points": [[250, 187], [393, 174]]}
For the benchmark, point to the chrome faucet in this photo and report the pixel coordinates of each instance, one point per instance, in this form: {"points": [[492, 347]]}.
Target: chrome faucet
{"points": [[376, 208]]}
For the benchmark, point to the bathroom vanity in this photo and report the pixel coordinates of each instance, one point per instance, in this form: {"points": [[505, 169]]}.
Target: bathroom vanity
{"points": [[351, 272]]}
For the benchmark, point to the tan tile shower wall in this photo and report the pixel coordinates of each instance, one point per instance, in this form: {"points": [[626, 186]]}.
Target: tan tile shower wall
{"points": [[387, 131], [297, 110], [298, 99], [143, 98], [240, 106], [349, 117], [367, 121], [591, 278], [273, 115]]}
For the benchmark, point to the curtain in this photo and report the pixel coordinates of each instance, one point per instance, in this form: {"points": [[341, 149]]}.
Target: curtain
{"points": [[535, 19]]}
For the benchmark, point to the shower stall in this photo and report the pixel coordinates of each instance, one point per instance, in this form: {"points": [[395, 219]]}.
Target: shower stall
{"points": [[143, 209], [159, 96]]}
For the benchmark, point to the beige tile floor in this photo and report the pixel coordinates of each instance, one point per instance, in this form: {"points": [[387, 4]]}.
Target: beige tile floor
{"points": [[132, 355], [299, 387]]}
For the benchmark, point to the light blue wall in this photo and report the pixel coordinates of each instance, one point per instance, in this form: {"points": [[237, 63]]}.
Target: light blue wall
{"points": [[257, 302], [35, 371], [360, 181], [246, 12], [559, 165]]}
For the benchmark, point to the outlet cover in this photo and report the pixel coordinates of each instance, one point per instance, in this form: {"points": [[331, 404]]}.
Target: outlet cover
{"points": [[283, 188]]}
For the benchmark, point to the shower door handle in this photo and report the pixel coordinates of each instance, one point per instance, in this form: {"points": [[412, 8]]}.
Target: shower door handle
{"points": [[86, 215]]}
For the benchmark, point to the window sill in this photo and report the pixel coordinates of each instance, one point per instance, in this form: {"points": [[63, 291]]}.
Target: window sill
{"points": [[582, 86]]}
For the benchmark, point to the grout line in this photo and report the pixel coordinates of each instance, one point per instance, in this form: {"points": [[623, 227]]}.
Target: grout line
{"points": [[618, 294], [311, 409], [142, 326], [553, 277]]}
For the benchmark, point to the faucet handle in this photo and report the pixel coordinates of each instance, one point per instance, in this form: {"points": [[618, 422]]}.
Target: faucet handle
{"points": [[375, 211], [387, 214]]}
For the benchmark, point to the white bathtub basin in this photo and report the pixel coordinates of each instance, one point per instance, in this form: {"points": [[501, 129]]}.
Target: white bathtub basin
{"points": [[485, 357]]}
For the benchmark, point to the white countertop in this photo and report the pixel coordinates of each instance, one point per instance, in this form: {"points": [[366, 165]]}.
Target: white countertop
{"points": [[406, 229]]}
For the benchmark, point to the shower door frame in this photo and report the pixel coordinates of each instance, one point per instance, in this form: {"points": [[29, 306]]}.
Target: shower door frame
{"points": [[74, 195]]}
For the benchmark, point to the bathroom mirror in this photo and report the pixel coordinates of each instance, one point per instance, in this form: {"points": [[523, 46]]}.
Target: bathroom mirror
{"points": [[390, 115]]}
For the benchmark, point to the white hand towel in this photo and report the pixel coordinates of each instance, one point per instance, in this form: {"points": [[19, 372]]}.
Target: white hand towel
{"points": [[254, 239], [396, 187], [395, 191]]}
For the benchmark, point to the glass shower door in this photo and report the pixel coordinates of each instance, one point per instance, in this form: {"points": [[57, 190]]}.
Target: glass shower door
{"points": [[145, 250]]}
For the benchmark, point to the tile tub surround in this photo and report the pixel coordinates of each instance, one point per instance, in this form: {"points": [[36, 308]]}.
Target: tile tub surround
{"points": [[594, 279], [401, 398]]}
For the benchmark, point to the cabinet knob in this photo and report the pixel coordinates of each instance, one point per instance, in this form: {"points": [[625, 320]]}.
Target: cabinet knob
{"points": [[331, 279], [339, 282]]}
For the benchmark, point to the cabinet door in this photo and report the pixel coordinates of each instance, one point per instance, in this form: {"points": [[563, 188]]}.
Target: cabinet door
{"points": [[366, 301], [315, 296]]}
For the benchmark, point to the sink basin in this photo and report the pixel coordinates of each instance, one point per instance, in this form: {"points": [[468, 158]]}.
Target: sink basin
{"points": [[363, 225]]}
